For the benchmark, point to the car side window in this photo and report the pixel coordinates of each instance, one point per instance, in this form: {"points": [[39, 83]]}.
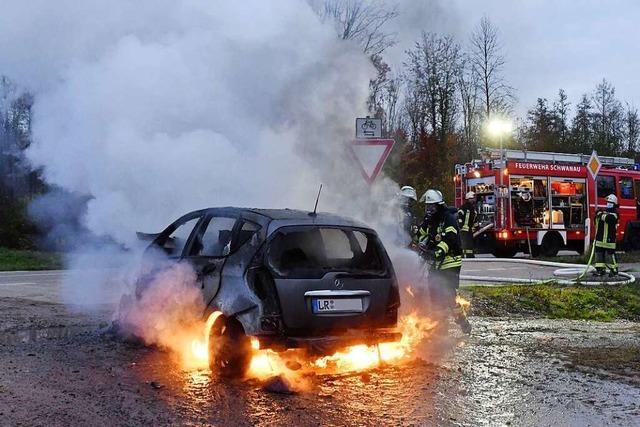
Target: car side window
{"points": [[216, 239], [246, 232], [174, 244]]}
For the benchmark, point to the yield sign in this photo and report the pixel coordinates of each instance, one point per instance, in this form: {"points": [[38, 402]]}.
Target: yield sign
{"points": [[594, 165], [370, 155]]}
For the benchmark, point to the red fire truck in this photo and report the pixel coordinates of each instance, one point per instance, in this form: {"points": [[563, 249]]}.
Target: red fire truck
{"points": [[540, 203]]}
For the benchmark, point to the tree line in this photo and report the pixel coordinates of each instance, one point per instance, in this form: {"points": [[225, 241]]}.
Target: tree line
{"points": [[600, 122], [435, 104]]}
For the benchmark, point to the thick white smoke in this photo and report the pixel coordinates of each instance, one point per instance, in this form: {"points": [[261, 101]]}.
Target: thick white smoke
{"points": [[156, 107]]}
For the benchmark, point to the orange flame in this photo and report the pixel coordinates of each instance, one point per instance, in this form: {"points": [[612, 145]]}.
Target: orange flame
{"points": [[198, 356], [463, 303], [359, 357], [266, 363]]}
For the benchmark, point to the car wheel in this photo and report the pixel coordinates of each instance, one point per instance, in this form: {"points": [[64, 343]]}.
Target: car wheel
{"points": [[229, 348]]}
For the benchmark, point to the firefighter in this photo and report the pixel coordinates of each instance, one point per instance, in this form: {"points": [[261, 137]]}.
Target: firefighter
{"points": [[408, 198], [439, 243], [606, 223], [466, 221]]}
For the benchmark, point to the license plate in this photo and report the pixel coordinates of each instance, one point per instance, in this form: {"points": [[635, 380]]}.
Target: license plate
{"points": [[337, 305]]}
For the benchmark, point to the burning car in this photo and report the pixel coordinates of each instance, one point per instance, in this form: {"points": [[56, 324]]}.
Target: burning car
{"points": [[284, 279]]}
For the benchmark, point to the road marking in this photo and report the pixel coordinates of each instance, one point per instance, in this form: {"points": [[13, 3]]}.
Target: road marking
{"points": [[498, 269], [16, 284], [31, 273]]}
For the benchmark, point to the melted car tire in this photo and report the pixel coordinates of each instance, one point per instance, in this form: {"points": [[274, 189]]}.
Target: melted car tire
{"points": [[229, 348]]}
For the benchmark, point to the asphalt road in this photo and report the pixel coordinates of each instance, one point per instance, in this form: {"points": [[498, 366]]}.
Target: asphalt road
{"points": [[48, 286], [34, 285]]}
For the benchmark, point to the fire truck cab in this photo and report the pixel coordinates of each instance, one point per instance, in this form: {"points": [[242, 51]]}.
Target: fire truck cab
{"points": [[540, 203]]}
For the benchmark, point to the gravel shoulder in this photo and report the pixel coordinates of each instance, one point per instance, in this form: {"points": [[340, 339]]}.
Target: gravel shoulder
{"points": [[61, 368]]}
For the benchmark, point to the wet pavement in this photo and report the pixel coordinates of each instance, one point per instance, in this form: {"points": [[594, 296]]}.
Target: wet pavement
{"points": [[61, 368]]}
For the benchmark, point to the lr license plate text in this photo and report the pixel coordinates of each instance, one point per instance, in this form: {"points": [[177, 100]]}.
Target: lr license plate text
{"points": [[337, 305]]}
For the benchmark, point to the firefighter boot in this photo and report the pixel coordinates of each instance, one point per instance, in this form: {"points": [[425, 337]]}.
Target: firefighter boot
{"points": [[461, 319]]}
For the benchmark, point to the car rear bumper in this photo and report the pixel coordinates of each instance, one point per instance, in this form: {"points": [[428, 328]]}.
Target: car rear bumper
{"points": [[329, 343]]}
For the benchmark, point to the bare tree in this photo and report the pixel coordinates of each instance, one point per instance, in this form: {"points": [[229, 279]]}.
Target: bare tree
{"points": [[607, 118], [359, 20], [469, 90], [432, 84], [632, 130], [561, 117], [384, 91], [488, 64]]}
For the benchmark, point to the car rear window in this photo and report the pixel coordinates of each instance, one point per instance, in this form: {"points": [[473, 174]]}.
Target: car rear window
{"points": [[313, 251]]}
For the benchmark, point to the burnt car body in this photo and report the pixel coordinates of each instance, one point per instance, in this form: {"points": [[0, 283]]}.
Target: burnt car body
{"points": [[291, 279]]}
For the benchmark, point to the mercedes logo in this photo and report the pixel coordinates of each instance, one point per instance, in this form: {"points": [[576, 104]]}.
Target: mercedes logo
{"points": [[339, 284]]}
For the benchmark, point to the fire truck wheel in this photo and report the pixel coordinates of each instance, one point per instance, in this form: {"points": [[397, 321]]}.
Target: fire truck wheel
{"points": [[551, 244], [504, 252], [634, 240], [229, 348]]}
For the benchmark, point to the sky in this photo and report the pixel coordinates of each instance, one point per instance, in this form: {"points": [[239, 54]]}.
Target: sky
{"points": [[548, 44]]}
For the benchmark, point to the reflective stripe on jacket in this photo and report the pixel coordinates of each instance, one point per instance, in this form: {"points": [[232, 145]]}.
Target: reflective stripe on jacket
{"points": [[466, 217], [606, 224], [444, 237]]}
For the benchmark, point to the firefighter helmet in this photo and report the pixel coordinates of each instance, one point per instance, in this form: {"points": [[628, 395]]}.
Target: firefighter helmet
{"points": [[470, 195], [432, 196], [409, 192], [611, 198]]}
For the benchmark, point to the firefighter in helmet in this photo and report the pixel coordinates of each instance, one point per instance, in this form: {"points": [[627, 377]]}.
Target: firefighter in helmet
{"points": [[466, 221], [439, 243], [408, 198], [606, 223]]}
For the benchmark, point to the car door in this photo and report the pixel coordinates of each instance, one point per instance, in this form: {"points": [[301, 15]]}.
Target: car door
{"points": [[167, 248], [175, 238], [208, 251]]}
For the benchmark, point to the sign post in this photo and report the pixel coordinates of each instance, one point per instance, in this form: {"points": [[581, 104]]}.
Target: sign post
{"points": [[369, 150], [593, 166]]}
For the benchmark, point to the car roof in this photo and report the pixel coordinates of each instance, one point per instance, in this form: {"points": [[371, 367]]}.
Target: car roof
{"points": [[288, 217]]}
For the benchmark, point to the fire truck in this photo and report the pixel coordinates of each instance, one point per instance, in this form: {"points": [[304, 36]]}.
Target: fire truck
{"points": [[541, 202]]}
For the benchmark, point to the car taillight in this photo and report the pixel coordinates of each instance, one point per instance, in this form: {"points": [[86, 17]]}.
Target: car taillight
{"points": [[503, 235]]}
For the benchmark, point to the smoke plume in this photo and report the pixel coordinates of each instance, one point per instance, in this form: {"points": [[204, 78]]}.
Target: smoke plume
{"points": [[154, 108], [150, 109]]}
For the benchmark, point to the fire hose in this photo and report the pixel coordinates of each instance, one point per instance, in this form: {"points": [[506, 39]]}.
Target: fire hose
{"points": [[575, 271]]}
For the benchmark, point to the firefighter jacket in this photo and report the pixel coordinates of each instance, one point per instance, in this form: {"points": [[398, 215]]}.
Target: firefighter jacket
{"points": [[466, 217], [407, 219], [443, 239], [606, 224]]}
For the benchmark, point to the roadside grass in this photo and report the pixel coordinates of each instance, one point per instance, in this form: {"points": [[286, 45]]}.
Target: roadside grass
{"points": [[14, 260], [554, 301]]}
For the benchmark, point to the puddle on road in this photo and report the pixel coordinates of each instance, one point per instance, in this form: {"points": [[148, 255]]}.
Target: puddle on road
{"points": [[31, 335]]}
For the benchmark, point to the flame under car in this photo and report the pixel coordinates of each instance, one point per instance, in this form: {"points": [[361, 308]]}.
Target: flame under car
{"points": [[288, 278]]}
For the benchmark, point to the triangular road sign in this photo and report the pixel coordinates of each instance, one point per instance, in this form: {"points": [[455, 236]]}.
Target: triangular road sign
{"points": [[370, 155]]}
